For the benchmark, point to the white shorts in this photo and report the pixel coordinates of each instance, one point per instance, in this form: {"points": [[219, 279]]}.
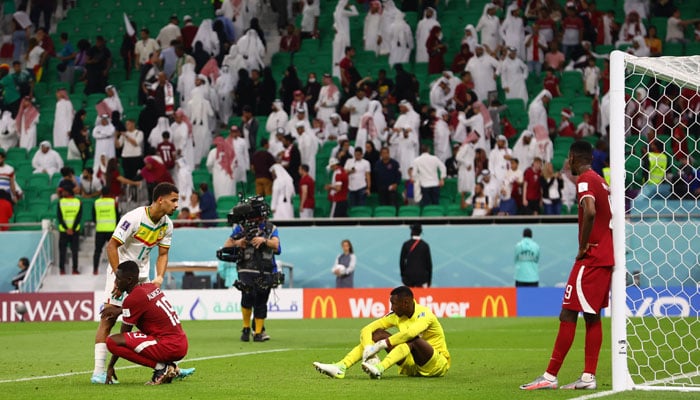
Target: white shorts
{"points": [[109, 287]]}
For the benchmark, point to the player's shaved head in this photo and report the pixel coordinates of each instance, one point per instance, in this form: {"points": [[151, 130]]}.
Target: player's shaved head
{"points": [[402, 292], [129, 268]]}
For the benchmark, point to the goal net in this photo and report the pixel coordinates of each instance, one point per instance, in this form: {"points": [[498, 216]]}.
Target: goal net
{"points": [[654, 155]]}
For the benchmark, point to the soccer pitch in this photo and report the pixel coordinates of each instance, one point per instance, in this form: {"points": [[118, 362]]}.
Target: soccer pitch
{"points": [[491, 357]]}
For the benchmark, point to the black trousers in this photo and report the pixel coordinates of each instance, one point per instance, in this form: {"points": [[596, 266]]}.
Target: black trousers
{"points": [[101, 238], [64, 240], [257, 297], [387, 197]]}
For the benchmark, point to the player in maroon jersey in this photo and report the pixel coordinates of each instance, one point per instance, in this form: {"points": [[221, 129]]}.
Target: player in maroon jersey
{"points": [[589, 283], [160, 340]]}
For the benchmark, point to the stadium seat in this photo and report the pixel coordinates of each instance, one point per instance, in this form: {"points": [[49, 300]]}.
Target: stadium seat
{"points": [[360, 212], [455, 210], [323, 206], [226, 203], [38, 180], [433, 211], [15, 154], [384, 211], [409, 211]]}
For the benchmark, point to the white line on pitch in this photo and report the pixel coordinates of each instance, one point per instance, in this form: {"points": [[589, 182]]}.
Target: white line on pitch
{"points": [[596, 395], [249, 353]]}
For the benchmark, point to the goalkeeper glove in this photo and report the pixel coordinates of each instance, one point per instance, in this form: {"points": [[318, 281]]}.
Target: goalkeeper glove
{"points": [[372, 349]]}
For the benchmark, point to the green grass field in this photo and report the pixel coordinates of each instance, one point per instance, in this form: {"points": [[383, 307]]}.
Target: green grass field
{"points": [[490, 358]]}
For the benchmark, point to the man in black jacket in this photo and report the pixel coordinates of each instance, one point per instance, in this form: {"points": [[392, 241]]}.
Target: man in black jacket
{"points": [[416, 263]]}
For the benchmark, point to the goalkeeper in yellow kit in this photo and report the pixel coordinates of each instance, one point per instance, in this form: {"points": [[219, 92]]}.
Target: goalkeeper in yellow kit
{"points": [[419, 346]]}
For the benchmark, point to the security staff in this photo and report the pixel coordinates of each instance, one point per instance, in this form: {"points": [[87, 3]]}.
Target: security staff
{"points": [[70, 212], [258, 241], [106, 217], [527, 257]]}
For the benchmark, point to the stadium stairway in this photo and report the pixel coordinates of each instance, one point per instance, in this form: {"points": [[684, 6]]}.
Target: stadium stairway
{"points": [[86, 281]]}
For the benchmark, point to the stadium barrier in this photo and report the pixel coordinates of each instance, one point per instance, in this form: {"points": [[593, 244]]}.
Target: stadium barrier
{"points": [[352, 303]]}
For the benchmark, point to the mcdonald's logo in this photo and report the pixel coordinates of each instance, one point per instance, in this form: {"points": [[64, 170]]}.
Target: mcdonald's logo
{"points": [[324, 303], [495, 304]]}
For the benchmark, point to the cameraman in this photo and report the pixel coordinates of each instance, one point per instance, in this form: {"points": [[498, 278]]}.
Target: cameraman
{"points": [[257, 241]]}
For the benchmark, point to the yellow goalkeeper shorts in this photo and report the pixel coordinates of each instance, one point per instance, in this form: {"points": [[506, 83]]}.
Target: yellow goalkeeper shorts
{"points": [[435, 367]]}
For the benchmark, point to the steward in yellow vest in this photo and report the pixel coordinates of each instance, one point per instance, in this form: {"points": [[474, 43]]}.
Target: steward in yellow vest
{"points": [[106, 217], [70, 213]]}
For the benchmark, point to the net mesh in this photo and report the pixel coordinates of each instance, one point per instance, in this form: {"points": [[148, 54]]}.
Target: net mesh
{"points": [[662, 153]]}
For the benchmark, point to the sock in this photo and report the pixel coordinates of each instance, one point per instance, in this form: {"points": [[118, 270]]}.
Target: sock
{"points": [[353, 356], [594, 339], [259, 322], [586, 377], [549, 377], [396, 354], [160, 365], [100, 358], [247, 312], [565, 338]]}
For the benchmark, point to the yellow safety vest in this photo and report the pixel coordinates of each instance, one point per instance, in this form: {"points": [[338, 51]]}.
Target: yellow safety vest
{"points": [[69, 210], [105, 214], [657, 168], [606, 175]]}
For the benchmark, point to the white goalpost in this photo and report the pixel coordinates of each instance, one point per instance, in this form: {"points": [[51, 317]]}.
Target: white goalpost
{"points": [[655, 305]]}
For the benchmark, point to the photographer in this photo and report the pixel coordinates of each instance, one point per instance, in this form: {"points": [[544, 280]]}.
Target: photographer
{"points": [[253, 245]]}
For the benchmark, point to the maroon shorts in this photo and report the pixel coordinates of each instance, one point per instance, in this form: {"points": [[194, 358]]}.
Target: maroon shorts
{"points": [[588, 288], [163, 349]]}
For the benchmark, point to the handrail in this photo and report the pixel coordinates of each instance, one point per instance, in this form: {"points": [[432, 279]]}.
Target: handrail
{"points": [[41, 260]]}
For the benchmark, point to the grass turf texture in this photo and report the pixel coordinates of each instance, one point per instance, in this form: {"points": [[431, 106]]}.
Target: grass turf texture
{"points": [[491, 358]]}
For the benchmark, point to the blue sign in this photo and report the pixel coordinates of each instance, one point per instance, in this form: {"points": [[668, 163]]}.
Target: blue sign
{"points": [[663, 302], [539, 301]]}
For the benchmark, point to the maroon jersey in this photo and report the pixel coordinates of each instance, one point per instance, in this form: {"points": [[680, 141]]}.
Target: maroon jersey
{"points": [[600, 251], [148, 308], [339, 177], [166, 151]]}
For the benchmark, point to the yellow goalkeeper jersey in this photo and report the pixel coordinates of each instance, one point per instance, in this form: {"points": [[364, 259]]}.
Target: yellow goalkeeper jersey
{"points": [[423, 323]]}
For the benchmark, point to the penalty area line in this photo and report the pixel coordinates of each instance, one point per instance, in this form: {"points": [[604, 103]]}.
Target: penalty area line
{"points": [[248, 353], [596, 395]]}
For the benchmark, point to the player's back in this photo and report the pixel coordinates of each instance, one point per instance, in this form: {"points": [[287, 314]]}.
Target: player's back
{"points": [[147, 308], [600, 253]]}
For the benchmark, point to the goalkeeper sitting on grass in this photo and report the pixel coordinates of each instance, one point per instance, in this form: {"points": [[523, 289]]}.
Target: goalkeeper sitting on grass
{"points": [[419, 347]]}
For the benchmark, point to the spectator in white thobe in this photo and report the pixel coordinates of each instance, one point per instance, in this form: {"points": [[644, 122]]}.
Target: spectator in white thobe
{"points": [[428, 22], [484, 70], [400, 40], [514, 72], [341, 24], [489, 26]]}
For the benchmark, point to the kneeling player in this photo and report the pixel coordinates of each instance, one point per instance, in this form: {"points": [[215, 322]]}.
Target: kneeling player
{"points": [[419, 347], [160, 340]]}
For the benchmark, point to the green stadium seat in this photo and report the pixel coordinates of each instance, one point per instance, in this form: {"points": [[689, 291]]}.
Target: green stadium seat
{"points": [[38, 180], [323, 206], [15, 154], [360, 212], [384, 211], [199, 176], [433, 211], [409, 211], [25, 217], [674, 49], [226, 203], [88, 207], [455, 210]]}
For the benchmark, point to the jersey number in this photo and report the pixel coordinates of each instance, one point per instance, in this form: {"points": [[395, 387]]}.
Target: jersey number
{"points": [[567, 292], [169, 311]]}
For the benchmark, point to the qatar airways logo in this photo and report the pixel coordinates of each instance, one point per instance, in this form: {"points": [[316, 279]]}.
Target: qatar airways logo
{"points": [[46, 308]]}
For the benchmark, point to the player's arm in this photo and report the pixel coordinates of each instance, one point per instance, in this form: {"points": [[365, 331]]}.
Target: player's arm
{"points": [[111, 374], [588, 204], [413, 331], [112, 253], [161, 265], [384, 322]]}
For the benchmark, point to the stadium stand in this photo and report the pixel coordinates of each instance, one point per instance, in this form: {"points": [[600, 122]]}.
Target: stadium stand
{"points": [[314, 56]]}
